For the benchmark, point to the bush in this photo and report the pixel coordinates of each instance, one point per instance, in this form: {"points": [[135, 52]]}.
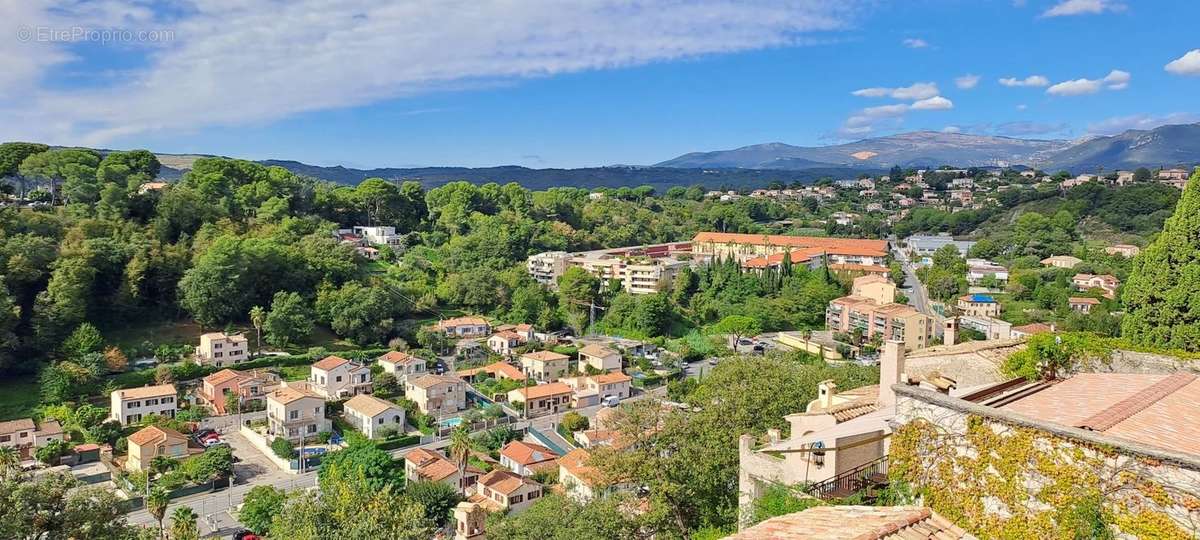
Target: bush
{"points": [[50, 453], [283, 448], [573, 421]]}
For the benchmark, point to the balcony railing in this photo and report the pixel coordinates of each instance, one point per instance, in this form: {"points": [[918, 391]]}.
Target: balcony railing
{"points": [[846, 484]]}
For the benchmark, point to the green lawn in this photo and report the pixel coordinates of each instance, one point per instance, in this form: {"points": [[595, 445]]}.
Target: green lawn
{"points": [[18, 397], [130, 336], [294, 373]]}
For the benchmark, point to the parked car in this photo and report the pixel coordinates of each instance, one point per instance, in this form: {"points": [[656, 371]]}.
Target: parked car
{"points": [[713, 361], [611, 401], [745, 341]]}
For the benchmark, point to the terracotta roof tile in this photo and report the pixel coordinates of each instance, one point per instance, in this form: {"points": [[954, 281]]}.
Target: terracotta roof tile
{"points": [[330, 362], [13, 426], [155, 435], [431, 380], [843, 246], [544, 390], [289, 394], [147, 391], [610, 378], [545, 356], [597, 350], [505, 482], [399, 357], [494, 369], [527, 453], [856, 523], [369, 405]]}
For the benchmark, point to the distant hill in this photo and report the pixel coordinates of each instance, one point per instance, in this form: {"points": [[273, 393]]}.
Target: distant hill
{"points": [[916, 149], [1163, 146], [616, 176]]}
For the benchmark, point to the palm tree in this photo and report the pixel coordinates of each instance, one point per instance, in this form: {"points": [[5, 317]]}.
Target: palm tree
{"points": [[460, 450], [156, 503], [258, 317], [183, 524], [10, 460]]}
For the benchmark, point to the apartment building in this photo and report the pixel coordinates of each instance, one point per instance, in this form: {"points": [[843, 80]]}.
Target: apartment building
{"points": [[640, 269], [921, 247], [978, 305], [978, 269], [890, 321], [129, 406], [220, 349], [295, 413]]}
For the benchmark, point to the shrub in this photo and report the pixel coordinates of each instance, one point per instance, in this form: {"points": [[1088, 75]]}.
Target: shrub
{"points": [[283, 448]]}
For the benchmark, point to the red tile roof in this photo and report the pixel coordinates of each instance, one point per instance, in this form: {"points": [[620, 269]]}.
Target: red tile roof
{"points": [[855, 523], [840, 246], [527, 454], [330, 362]]}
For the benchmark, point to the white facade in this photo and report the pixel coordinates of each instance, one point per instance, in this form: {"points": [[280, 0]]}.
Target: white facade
{"points": [[221, 350], [130, 406]]}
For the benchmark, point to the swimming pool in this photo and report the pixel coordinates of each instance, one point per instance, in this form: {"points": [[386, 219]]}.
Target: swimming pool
{"points": [[450, 422]]}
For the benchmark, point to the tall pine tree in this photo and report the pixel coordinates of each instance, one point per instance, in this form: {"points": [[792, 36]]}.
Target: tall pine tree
{"points": [[1162, 296]]}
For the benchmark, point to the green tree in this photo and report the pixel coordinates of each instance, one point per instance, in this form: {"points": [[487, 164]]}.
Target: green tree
{"points": [[562, 518], [737, 326], [347, 507], [259, 508], [258, 317], [55, 505], [460, 450], [283, 448], [290, 319], [183, 524], [378, 468], [577, 288], [74, 167], [437, 498], [85, 339], [11, 156], [1162, 294], [573, 421]]}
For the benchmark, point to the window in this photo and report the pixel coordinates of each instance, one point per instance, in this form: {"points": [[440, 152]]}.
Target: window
{"points": [[216, 346], [135, 404], [292, 415], [338, 379], [312, 428], [5, 438], [534, 494], [516, 499], [168, 400], [381, 421]]}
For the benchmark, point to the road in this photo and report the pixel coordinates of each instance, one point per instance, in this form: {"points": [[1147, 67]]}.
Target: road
{"points": [[918, 295]]}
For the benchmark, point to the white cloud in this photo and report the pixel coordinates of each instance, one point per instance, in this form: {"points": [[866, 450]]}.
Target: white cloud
{"points": [[915, 91], [1117, 79], [1188, 64], [935, 103], [915, 43], [1119, 124], [238, 62], [1077, 87], [1082, 7], [884, 111], [1022, 107], [966, 82], [1032, 80], [951, 129]]}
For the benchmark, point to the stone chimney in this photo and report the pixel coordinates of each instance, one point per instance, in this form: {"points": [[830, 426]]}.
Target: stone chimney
{"points": [[774, 435], [825, 391], [469, 521], [950, 331], [891, 371]]}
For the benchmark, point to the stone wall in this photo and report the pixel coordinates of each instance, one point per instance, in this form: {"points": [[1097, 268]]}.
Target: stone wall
{"points": [[1002, 475]]}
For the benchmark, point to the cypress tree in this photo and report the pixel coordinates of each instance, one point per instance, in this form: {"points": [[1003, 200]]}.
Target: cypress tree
{"points": [[1162, 295]]}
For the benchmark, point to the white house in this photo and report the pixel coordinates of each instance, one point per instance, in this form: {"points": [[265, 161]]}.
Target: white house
{"points": [[129, 406], [295, 413], [599, 358], [402, 365], [525, 458], [371, 415], [335, 377], [220, 349]]}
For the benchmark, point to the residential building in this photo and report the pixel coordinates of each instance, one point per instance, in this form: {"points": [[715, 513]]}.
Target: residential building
{"points": [[1105, 282], [1061, 261], [147, 187], [500, 491], [1032, 329], [890, 320], [430, 465], [640, 269], [525, 331], [990, 327], [380, 235], [876, 287], [295, 413], [1124, 178], [615, 384], [747, 247], [599, 358], [1082, 304], [543, 399], [544, 366], [25, 436], [1173, 176], [402, 365], [464, 327], [248, 385], [1124, 250], [151, 442], [437, 395], [495, 370], [220, 349], [525, 458], [334, 378], [504, 342], [580, 480], [921, 247], [978, 269], [1077, 181], [857, 523], [978, 305], [373, 417], [129, 406]]}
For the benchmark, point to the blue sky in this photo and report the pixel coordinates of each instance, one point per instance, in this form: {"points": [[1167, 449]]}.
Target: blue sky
{"points": [[597, 82]]}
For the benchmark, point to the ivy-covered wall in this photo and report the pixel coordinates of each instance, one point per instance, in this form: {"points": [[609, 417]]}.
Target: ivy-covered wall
{"points": [[1004, 480]]}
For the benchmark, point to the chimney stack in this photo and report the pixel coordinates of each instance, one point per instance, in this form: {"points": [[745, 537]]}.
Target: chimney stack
{"points": [[950, 331], [825, 391], [891, 371]]}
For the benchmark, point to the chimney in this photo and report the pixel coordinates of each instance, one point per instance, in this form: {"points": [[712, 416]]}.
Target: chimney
{"points": [[950, 331], [825, 391], [891, 371], [469, 521], [774, 435]]}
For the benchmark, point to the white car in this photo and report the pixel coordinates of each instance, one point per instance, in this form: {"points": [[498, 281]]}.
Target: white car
{"points": [[610, 401]]}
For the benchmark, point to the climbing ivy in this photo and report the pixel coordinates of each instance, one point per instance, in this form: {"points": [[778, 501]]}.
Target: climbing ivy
{"points": [[1008, 483]]}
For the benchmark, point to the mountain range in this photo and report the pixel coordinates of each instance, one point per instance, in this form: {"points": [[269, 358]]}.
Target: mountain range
{"points": [[757, 165], [1162, 146]]}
